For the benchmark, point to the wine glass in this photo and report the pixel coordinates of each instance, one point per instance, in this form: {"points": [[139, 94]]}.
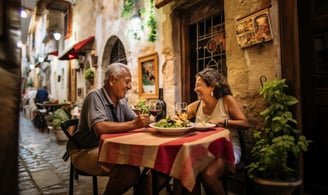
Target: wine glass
{"points": [[155, 108], [181, 110]]}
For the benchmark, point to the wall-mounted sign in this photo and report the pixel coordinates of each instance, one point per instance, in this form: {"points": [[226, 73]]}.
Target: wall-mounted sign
{"points": [[254, 28]]}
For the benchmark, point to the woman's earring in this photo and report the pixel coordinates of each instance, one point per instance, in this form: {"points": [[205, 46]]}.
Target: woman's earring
{"points": [[212, 93]]}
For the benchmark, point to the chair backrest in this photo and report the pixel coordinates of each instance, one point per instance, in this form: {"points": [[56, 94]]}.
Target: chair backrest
{"points": [[244, 149], [70, 127]]}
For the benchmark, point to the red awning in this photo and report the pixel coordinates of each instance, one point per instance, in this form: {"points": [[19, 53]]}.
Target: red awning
{"points": [[74, 51], [54, 53]]}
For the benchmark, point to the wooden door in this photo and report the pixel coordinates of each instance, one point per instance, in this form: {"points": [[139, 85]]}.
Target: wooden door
{"points": [[313, 28]]}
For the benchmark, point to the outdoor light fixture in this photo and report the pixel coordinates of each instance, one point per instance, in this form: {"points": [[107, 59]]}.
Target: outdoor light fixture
{"points": [[57, 35], [19, 44], [23, 13], [41, 58], [135, 26]]}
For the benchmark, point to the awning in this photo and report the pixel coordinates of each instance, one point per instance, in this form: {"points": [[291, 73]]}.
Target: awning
{"points": [[53, 53], [77, 49]]}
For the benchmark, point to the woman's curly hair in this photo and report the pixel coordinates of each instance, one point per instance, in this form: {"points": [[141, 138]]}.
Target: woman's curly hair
{"points": [[217, 80]]}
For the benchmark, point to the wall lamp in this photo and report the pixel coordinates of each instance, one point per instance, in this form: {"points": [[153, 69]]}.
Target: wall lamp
{"points": [[24, 12], [57, 36]]}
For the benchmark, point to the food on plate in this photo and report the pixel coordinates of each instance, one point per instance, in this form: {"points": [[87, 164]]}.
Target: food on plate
{"points": [[170, 122], [200, 124], [203, 125]]}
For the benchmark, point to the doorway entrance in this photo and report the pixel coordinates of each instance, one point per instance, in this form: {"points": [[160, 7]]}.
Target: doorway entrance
{"points": [[313, 28]]}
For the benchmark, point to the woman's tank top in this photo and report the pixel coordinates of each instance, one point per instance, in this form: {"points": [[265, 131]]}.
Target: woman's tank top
{"points": [[219, 113]]}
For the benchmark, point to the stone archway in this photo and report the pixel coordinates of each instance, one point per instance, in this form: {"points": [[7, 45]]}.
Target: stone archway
{"points": [[114, 52]]}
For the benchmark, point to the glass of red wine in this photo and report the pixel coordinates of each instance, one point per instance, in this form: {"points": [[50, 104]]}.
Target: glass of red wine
{"points": [[155, 108]]}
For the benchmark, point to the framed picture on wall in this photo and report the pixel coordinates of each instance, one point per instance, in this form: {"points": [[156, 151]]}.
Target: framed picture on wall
{"points": [[254, 28], [148, 76]]}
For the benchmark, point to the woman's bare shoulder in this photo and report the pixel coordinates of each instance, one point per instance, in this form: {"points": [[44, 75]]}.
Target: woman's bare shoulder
{"points": [[193, 105]]}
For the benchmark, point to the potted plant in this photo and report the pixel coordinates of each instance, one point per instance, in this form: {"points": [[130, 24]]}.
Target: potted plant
{"points": [[278, 144], [59, 116], [89, 75], [141, 107]]}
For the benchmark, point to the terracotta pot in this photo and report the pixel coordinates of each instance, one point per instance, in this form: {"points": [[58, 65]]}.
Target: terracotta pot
{"points": [[271, 187], [60, 135]]}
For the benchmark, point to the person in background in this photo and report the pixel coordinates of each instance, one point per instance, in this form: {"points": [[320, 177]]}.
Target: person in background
{"points": [[215, 105], [105, 110], [42, 95], [29, 94], [29, 108]]}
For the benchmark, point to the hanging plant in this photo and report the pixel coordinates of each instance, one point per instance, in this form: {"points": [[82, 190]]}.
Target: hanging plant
{"points": [[128, 6], [151, 23], [89, 74]]}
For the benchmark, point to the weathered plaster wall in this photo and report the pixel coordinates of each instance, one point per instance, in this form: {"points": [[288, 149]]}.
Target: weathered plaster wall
{"points": [[246, 66]]}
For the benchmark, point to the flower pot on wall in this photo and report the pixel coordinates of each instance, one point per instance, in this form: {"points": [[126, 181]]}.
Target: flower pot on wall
{"points": [[271, 187]]}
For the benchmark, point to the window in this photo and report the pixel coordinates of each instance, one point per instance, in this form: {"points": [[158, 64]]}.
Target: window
{"points": [[211, 44]]}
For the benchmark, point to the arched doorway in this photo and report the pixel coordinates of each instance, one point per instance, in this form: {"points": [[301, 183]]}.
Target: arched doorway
{"points": [[114, 52]]}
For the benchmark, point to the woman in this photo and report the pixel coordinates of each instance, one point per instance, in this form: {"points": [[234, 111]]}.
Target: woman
{"points": [[216, 105]]}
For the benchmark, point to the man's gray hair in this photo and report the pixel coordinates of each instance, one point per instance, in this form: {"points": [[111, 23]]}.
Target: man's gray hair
{"points": [[115, 69]]}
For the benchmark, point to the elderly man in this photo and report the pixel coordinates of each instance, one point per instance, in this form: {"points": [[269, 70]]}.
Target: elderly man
{"points": [[105, 110]]}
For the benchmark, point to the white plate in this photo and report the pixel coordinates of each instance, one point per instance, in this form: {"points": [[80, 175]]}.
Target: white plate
{"points": [[203, 126], [171, 131]]}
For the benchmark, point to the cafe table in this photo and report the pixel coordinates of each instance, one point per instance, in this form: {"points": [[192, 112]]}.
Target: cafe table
{"points": [[51, 107], [182, 156]]}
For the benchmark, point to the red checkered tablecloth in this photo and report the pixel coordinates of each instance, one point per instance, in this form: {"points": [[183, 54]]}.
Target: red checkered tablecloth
{"points": [[182, 157]]}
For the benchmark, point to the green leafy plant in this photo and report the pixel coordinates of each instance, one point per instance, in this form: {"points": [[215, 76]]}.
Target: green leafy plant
{"points": [[142, 106], [278, 144], [128, 6], [89, 74], [59, 116], [151, 23]]}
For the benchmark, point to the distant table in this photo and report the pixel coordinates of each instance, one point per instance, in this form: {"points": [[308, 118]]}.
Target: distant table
{"points": [[182, 157], [51, 107]]}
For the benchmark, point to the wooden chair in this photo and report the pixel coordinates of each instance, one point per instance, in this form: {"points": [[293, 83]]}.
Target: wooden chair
{"points": [[40, 121], [239, 178], [69, 127]]}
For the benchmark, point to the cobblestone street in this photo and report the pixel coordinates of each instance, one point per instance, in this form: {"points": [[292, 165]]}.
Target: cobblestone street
{"points": [[41, 168]]}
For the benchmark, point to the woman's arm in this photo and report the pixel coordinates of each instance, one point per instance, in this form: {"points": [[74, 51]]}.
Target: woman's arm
{"points": [[237, 117]]}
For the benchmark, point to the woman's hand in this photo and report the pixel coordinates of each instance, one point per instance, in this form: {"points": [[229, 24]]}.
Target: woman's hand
{"points": [[219, 123]]}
